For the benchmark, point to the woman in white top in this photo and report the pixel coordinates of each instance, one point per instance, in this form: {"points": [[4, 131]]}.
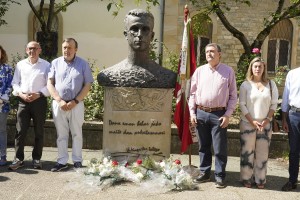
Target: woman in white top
{"points": [[257, 106]]}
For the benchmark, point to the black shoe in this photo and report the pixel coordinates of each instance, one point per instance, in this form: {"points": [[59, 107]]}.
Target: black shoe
{"points": [[37, 164], [77, 165], [58, 167], [289, 186], [203, 177], [220, 183]]}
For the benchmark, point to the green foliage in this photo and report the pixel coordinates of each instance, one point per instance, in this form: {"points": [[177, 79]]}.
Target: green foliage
{"points": [[13, 100], [153, 53], [280, 74], [119, 4], [94, 100], [171, 59], [4, 7], [62, 6], [243, 67], [200, 22]]}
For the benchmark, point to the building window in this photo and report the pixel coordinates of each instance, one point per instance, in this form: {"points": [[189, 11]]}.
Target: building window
{"points": [[50, 48], [279, 46]]}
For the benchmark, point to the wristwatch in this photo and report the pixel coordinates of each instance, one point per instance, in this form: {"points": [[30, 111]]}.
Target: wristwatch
{"points": [[76, 101]]}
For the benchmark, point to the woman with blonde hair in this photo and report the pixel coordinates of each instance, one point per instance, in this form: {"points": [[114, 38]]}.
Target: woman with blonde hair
{"points": [[258, 99], [5, 90]]}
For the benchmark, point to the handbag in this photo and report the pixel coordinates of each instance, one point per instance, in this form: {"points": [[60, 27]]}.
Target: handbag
{"points": [[274, 122]]}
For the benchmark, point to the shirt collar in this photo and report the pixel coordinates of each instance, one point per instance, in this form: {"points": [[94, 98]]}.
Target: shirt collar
{"points": [[72, 61], [214, 69], [28, 61]]}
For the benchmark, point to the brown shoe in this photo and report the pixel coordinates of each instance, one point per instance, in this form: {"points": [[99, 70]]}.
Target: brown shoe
{"points": [[247, 183], [16, 164], [260, 186]]}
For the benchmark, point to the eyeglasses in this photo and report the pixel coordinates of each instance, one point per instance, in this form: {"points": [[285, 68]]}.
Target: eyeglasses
{"points": [[33, 48]]}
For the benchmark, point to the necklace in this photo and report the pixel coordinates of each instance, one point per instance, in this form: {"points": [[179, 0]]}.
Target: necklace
{"points": [[259, 85]]}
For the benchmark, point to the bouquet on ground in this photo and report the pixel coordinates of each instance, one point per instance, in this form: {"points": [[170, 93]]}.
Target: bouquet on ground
{"points": [[166, 173]]}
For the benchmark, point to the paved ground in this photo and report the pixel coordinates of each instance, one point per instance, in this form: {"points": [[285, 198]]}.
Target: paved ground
{"points": [[28, 183]]}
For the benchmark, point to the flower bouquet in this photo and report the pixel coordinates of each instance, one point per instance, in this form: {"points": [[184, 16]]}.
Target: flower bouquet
{"points": [[167, 173]]}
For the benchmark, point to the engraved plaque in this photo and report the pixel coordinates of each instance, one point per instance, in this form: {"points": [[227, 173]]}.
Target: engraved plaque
{"points": [[137, 122]]}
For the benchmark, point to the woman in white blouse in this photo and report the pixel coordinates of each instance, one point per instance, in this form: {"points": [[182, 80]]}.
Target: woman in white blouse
{"points": [[257, 106]]}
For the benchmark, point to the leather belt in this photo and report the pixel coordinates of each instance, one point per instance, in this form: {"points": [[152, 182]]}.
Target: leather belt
{"points": [[295, 109], [207, 109]]}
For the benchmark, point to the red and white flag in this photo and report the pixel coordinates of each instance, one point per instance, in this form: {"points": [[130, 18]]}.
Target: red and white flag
{"points": [[186, 68]]}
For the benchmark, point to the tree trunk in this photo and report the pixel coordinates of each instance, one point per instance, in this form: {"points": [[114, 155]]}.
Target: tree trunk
{"points": [[49, 44]]}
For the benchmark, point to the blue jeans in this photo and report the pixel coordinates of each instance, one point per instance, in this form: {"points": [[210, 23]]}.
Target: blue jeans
{"points": [[294, 141], [210, 133], [3, 134]]}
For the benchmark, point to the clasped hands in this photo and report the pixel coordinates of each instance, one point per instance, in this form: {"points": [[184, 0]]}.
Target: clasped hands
{"points": [[260, 125], [67, 106], [29, 97]]}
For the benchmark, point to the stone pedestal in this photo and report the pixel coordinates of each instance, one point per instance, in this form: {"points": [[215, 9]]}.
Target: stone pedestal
{"points": [[137, 122]]}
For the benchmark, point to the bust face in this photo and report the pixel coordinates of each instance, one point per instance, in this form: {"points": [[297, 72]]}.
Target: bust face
{"points": [[139, 32]]}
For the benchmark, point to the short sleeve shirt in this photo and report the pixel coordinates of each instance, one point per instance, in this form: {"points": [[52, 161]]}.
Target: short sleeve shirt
{"points": [[70, 77]]}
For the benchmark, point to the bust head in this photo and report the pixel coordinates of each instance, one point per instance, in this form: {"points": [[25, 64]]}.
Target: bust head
{"points": [[138, 70], [139, 29]]}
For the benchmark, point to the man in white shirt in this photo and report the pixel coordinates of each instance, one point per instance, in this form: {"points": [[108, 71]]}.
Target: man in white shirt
{"points": [[290, 107], [30, 85]]}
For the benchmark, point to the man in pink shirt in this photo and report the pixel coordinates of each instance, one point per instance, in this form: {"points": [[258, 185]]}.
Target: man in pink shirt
{"points": [[213, 97]]}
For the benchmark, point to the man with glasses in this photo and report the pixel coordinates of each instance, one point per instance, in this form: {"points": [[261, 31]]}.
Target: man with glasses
{"points": [[30, 85], [213, 97], [138, 70]]}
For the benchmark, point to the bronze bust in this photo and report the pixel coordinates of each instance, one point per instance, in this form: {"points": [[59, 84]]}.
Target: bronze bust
{"points": [[138, 70]]}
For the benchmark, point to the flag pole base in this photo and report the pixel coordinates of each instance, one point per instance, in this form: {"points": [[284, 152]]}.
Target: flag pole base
{"points": [[191, 170]]}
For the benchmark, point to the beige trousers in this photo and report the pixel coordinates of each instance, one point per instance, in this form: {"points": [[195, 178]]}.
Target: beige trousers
{"points": [[254, 152]]}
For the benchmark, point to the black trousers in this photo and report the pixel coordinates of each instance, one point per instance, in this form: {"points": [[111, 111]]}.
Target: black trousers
{"points": [[36, 111]]}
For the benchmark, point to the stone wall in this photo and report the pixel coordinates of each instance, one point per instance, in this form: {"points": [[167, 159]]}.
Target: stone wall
{"points": [[248, 20], [93, 134]]}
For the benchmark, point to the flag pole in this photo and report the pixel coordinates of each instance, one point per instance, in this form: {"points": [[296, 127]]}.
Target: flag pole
{"points": [[189, 68], [190, 155]]}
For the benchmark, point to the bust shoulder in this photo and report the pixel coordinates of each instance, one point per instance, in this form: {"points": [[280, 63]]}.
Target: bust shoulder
{"points": [[151, 75]]}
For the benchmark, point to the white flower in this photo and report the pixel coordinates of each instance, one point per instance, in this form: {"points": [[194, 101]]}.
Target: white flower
{"points": [[92, 170], [140, 176], [105, 161], [162, 164]]}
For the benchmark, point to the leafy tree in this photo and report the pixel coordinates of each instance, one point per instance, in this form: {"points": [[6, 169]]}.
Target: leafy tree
{"points": [[284, 10], [4, 7]]}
